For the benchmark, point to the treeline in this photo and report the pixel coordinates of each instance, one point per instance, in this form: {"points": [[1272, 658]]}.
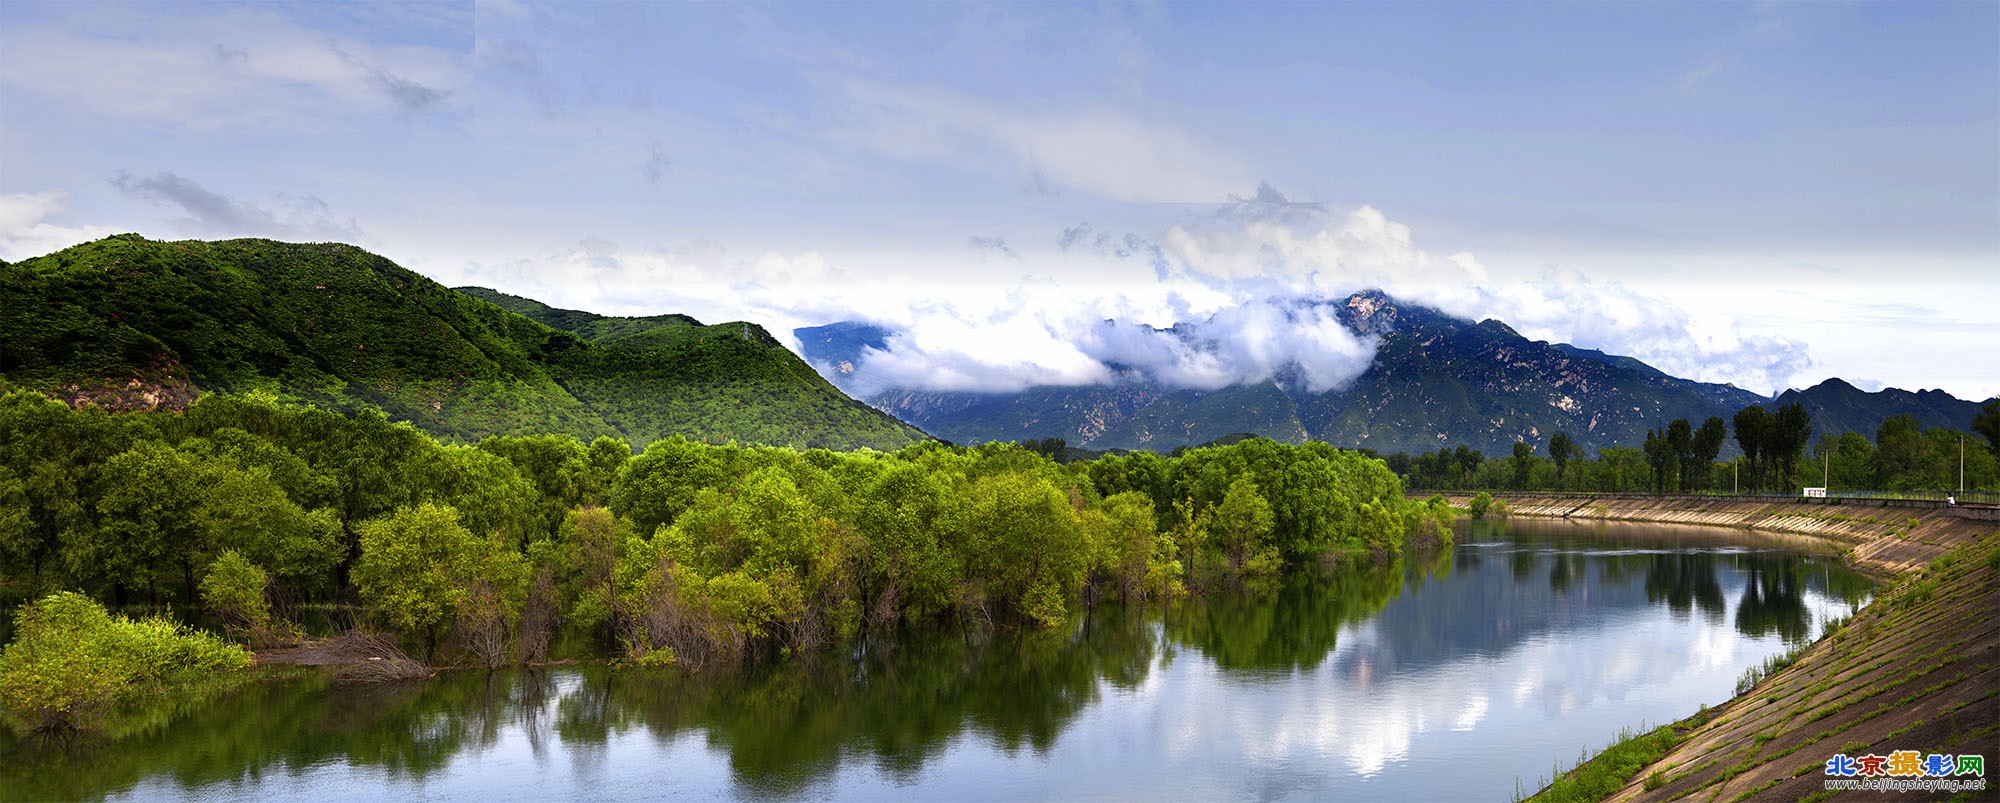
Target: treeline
{"points": [[1778, 454], [688, 552]]}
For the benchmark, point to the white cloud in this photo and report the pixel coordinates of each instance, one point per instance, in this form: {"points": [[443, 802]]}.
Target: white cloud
{"points": [[224, 67], [210, 213], [25, 231], [1102, 153], [1307, 251], [1239, 294]]}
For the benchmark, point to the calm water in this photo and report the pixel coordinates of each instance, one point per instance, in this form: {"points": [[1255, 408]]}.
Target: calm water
{"points": [[1445, 680]]}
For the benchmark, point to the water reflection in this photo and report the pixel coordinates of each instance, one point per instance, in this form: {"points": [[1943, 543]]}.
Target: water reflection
{"points": [[1476, 664], [1685, 581]]}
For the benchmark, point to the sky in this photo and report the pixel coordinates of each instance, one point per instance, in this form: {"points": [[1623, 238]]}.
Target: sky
{"points": [[1767, 194]]}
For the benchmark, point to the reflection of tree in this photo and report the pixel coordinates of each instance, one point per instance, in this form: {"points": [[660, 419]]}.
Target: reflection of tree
{"points": [[1523, 561], [1772, 602], [786, 724], [1564, 571], [1294, 626], [1685, 582]]}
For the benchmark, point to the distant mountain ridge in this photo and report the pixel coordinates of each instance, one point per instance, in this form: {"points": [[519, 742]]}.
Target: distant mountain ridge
{"points": [[126, 322], [1837, 406], [1436, 381]]}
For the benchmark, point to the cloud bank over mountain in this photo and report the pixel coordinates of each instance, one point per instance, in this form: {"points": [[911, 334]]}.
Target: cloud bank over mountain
{"points": [[1231, 293]]}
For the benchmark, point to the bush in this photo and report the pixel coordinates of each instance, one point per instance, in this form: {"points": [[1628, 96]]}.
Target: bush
{"points": [[1481, 503], [73, 665], [233, 589]]}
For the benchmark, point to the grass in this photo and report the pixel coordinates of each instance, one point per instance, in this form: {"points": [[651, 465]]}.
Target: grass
{"points": [[1770, 666], [1610, 770]]}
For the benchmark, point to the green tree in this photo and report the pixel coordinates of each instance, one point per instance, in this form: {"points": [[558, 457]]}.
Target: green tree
{"points": [[1785, 437], [1481, 503], [653, 488], [1987, 423], [1523, 463], [1680, 440], [1561, 450], [606, 456], [1850, 465], [1707, 445], [583, 559], [1662, 460], [1242, 528], [1750, 426], [165, 507], [1623, 465], [912, 516], [414, 568], [148, 510], [558, 468], [1128, 550], [233, 589], [492, 497], [1027, 543]]}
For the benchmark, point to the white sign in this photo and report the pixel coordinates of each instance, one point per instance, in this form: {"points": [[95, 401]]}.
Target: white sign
{"points": [[1816, 493]]}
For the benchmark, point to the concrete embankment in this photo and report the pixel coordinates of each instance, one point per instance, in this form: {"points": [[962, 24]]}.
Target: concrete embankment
{"points": [[1917, 670], [1886, 538]]}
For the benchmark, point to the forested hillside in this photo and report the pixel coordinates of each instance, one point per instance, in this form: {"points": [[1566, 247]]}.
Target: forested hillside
{"points": [[646, 375], [131, 323]]}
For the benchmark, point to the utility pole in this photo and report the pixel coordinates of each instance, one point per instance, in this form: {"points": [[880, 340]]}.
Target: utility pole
{"points": [[1961, 464]]}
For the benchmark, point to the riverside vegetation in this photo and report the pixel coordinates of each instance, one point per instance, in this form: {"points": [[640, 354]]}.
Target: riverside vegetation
{"points": [[1680, 457], [688, 554]]}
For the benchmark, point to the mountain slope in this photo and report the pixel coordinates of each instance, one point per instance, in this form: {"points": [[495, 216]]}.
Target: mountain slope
{"points": [[1435, 381], [1837, 406], [1438, 380], [731, 376], [126, 322]]}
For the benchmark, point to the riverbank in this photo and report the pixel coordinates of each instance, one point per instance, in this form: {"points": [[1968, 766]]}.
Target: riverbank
{"points": [[1918, 669], [1886, 538]]}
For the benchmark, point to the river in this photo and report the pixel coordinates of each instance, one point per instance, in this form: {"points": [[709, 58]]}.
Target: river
{"points": [[1466, 675]]}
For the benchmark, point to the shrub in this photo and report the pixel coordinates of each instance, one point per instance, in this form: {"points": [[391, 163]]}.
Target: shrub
{"points": [[233, 589], [1481, 503], [73, 665]]}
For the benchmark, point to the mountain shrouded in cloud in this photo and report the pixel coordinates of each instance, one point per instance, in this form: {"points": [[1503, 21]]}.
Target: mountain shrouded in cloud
{"points": [[1433, 380], [1231, 294]]}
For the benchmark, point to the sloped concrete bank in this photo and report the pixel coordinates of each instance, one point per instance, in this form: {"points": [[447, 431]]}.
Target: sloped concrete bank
{"points": [[1886, 538], [1916, 670]]}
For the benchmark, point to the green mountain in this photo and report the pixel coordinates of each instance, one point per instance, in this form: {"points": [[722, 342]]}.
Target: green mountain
{"points": [[1837, 406], [127, 322]]}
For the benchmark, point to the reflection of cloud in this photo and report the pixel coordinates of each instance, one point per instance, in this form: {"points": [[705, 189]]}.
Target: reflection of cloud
{"points": [[1422, 687]]}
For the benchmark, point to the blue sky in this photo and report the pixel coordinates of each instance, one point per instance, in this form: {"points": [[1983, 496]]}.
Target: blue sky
{"points": [[1767, 194]]}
